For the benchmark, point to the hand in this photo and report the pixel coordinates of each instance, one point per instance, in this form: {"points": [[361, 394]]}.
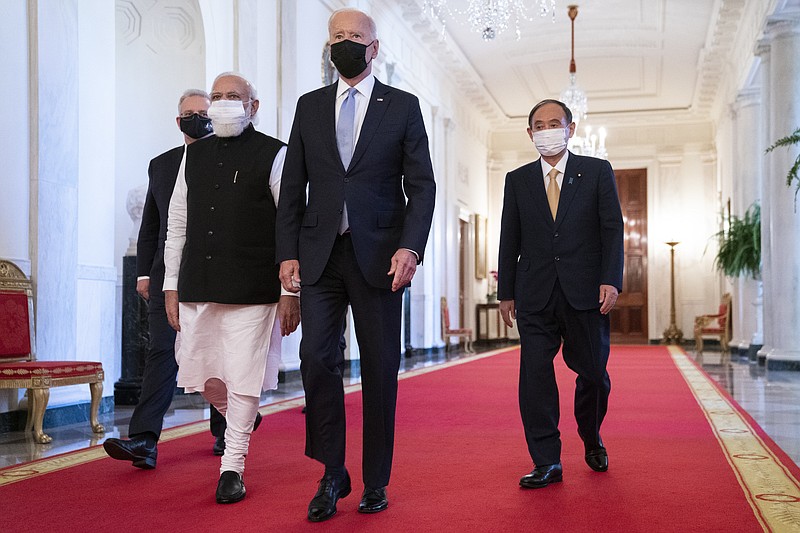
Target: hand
{"points": [[289, 314], [508, 312], [290, 275], [608, 297], [143, 288], [404, 265], [171, 305]]}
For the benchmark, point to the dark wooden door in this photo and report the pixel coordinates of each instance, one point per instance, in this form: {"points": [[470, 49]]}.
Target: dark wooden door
{"points": [[629, 317]]}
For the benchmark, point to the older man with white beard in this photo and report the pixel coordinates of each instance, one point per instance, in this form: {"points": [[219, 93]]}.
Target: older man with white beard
{"points": [[221, 284]]}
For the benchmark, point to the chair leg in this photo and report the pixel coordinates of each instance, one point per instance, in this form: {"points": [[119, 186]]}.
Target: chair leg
{"points": [[96, 390], [39, 397]]}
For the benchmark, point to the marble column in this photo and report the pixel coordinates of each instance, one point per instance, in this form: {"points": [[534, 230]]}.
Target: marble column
{"points": [[54, 175], [784, 222], [767, 282], [748, 154]]}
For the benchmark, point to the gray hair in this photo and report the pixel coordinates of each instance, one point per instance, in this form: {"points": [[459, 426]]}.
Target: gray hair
{"points": [[253, 94], [373, 29], [192, 92]]}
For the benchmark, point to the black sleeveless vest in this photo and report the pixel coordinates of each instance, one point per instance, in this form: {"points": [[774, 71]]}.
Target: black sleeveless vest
{"points": [[229, 255]]}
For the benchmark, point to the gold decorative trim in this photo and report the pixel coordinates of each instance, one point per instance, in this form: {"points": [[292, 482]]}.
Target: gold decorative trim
{"points": [[41, 467], [769, 487]]}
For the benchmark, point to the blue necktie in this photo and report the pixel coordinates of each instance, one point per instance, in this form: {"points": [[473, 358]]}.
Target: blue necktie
{"points": [[346, 126], [345, 138]]}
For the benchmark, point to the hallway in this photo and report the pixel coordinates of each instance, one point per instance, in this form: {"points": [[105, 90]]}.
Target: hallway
{"points": [[772, 398]]}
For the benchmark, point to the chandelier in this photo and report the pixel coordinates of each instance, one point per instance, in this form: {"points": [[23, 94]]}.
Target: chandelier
{"points": [[490, 18], [575, 99]]}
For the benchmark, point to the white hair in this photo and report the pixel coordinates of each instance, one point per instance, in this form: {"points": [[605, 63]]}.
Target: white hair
{"points": [[252, 90], [373, 29], [192, 92]]}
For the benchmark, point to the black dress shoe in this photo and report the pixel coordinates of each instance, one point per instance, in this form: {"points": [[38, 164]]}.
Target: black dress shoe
{"points": [[331, 488], [219, 446], [373, 501], [219, 443], [597, 459], [141, 450], [541, 476], [230, 488]]}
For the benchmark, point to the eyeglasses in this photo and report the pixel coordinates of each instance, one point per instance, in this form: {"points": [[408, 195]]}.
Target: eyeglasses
{"points": [[189, 114]]}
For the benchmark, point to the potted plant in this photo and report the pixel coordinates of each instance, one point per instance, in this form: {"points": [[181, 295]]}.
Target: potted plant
{"points": [[790, 140], [739, 251]]}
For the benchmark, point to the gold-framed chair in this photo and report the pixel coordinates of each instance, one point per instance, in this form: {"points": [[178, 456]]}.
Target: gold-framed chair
{"points": [[447, 331], [716, 325], [18, 365]]}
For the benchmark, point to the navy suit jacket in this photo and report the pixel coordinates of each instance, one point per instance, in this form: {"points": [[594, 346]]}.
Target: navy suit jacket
{"points": [[582, 248], [162, 173], [389, 186]]}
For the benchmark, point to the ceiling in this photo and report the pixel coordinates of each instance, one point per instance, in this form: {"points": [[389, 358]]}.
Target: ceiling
{"points": [[632, 56]]}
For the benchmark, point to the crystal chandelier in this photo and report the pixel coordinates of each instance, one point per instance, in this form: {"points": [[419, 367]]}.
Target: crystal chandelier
{"points": [[489, 18], [575, 99]]}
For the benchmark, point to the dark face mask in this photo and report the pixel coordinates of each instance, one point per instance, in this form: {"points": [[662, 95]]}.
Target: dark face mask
{"points": [[196, 126], [349, 58]]}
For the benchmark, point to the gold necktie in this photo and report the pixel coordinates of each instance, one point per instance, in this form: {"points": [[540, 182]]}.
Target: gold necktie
{"points": [[553, 192]]}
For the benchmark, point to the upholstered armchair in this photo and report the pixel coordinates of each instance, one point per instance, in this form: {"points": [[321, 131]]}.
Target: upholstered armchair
{"points": [[717, 325], [447, 331], [18, 365]]}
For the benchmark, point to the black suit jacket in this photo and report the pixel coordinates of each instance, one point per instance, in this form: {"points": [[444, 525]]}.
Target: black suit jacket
{"points": [[389, 186], [162, 173], [582, 248]]}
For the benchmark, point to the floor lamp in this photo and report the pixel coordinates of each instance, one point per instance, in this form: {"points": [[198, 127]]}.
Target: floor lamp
{"points": [[673, 334]]}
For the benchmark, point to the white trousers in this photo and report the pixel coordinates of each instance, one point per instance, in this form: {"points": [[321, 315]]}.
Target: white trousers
{"points": [[240, 414]]}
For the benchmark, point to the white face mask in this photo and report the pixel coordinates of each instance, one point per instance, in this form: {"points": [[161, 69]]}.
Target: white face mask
{"points": [[548, 142], [226, 111], [228, 117]]}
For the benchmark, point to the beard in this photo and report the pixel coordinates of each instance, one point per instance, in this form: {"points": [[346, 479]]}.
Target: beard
{"points": [[230, 129]]}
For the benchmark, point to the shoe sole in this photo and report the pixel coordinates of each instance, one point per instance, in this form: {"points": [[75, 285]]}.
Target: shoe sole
{"points": [[540, 486], [373, 510], [121, 454], [232, 499]]}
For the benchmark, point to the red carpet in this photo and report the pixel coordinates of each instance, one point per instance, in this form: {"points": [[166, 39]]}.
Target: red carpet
{"points": [[460, 452]]}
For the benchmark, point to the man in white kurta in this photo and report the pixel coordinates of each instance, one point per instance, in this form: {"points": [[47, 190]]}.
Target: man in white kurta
{"points": [[221, 287]]}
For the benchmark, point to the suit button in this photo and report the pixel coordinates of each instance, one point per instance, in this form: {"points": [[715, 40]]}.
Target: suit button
{"points": [[210, 233], [212, 207], [347, 180], [208, 257], [219, 164], [556, 234], [558, 258], [216, 186]]}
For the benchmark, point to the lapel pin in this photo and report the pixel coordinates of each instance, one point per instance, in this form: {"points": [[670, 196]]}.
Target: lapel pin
{"points": [[570, 180], [380, 99]]}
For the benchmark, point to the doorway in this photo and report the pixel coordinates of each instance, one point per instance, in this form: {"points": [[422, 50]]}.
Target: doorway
{"points": [[629, 316]]}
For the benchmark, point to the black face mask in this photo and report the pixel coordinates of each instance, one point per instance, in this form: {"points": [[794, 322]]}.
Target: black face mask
{"points": [[348, 57], [196, 126]]}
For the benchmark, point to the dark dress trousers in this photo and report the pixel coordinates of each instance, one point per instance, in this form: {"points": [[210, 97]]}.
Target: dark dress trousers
{"points": [[553, 271], [390, 192], [160, 369]]}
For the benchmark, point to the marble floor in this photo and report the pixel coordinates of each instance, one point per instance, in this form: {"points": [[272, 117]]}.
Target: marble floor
{"points": [[771, 397]]}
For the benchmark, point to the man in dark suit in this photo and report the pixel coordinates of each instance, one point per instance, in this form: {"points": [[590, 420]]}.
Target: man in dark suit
{"points": [[361, 149], [560, 272], [160, 369]]}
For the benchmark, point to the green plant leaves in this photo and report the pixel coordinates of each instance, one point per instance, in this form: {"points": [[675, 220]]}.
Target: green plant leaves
{"points": [[740, 246]]}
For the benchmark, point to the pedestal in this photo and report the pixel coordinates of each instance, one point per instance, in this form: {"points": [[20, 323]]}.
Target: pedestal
{"points": [[134, 337]]}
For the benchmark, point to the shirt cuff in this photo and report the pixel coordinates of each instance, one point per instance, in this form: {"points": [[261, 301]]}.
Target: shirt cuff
{"points": [[140, 278], [170, 284], [284, 292], [413, 252]]}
